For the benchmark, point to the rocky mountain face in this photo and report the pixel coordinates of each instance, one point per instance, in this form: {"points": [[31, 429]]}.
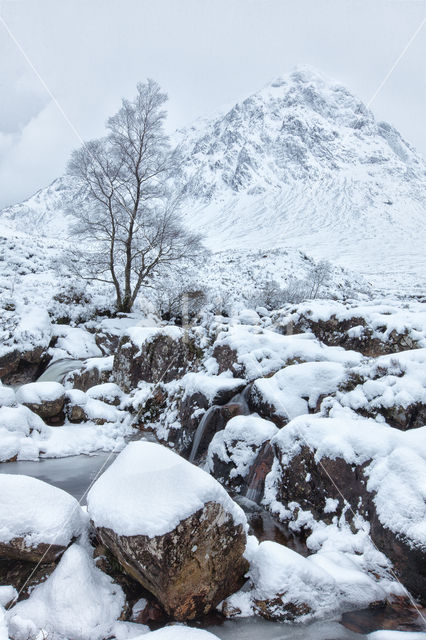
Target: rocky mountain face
{"points": [[300, 164]]}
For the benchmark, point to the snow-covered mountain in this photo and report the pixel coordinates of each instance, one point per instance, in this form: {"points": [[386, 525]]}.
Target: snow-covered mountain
{"points": [[300, 164]]}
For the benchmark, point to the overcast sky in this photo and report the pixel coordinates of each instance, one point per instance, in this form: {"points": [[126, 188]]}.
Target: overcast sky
{"points": [[204, 53]]}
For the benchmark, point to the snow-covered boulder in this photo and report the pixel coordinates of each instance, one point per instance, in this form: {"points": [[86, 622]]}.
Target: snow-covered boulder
{"points": [[153, 354], [46, 399], [74, 342], [172, 527], [24, 347], [22, 434], [76, 601], [37, 521], [371, 329], [249, 316], [286, 586], [108, 392], [389, 388], [233, 452], [296, 390], [250, 352], [322, 465]]}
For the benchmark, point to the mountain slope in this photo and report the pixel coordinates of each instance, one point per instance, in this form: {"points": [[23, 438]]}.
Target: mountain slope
{"points": [[300, 164]]}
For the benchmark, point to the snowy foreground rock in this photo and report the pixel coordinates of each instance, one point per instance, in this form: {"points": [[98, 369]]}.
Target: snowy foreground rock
{"points": [[37, 521], [172, 527], [330, 468]]}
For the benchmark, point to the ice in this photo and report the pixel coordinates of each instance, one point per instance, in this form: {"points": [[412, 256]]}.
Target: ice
{"points": [[149, 489]]}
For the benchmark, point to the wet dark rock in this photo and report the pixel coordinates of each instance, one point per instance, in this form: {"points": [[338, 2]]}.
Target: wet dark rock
{"points": [[190, 569]]}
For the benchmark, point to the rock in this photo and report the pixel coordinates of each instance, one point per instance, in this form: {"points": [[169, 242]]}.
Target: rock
{"points": [[251, 352], [285, 586], [377, 469], [172, 527], [234, 451], [295, 390], [96, 371], [371, 330], [24, 575], [46, 399], [153, 355], [390, 388], [108, 392], [38, 521]]}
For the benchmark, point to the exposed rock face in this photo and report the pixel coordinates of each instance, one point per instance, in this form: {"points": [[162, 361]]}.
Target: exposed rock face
{"points": [[24, 575], [227, 360], [90, 376], [153, 356], [18, 549], [18, 367], [192, 568]]}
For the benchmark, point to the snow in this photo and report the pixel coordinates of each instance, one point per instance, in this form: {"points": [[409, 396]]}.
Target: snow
{"points": [[37, 512], [77, 601], [149, 489], [39, 392], [209, 385], [109, 391], [239, 443], [396, 470], [262, 351], [74, 342], [22, 433], [325, 583], [295, 390], [397, 635], [7, 396]]}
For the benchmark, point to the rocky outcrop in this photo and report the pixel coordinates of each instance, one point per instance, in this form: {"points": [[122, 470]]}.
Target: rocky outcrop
{"points": [[21, 367], [354, 482], [353, 333], [153, 355], [173, 528], [46, 399]]}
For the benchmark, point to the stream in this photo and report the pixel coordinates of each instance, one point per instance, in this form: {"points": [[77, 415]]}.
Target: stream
{"points": [[75, 474]]}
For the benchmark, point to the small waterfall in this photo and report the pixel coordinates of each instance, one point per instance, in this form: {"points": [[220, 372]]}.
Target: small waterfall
{"points": [[260, 469], [241, 400], [200, 431], [56, 371]]}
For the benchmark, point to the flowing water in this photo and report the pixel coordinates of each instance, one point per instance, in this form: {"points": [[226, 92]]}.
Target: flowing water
{"points": [[56, 371], [200, 431]]}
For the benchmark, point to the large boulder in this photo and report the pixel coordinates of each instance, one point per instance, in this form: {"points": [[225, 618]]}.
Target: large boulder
{"points": [[153, 354], [37, 521], [46, 399], [344, 467], [172, 527], [388, 388]]}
